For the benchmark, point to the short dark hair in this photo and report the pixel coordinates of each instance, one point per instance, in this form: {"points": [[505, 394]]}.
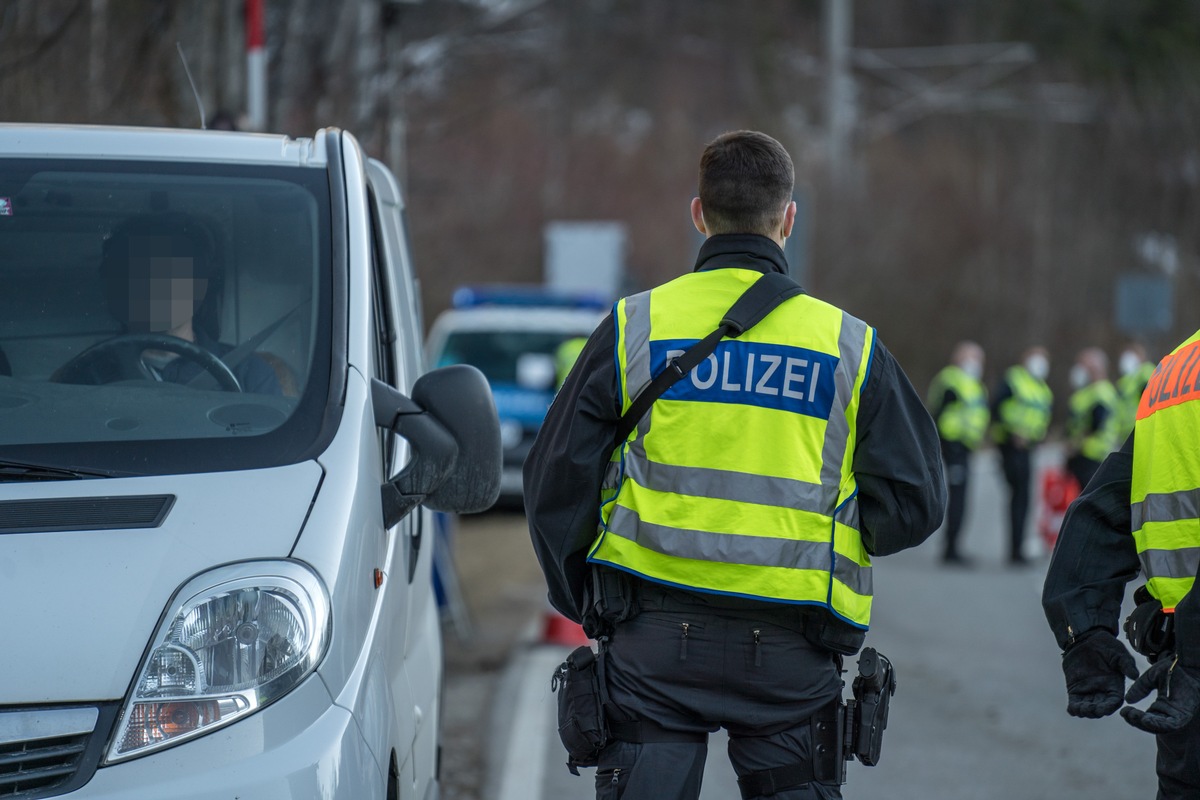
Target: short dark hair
{"points": [[746, 181]]}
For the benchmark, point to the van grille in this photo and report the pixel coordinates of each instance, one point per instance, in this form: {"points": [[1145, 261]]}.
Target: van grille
{"points": [[48, 752], [84, 513], [28, 767]]}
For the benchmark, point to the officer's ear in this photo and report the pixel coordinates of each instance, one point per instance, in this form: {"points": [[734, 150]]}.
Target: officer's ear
{"points": [[789, 219], [698, 216]]}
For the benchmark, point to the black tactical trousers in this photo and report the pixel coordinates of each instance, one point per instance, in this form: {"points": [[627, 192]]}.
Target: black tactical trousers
{"points": [[1018, 474], [1179, 763], [957, 459], [693, 667]]}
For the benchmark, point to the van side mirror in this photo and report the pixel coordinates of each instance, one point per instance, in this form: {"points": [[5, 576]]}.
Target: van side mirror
{"points": [[452, 425]]}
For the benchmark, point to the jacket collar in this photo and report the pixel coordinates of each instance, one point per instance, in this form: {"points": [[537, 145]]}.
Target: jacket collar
{"points": [[742, 250]]}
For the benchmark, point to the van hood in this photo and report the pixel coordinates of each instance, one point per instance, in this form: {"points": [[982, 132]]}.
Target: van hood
{"points": [[81, 596]]}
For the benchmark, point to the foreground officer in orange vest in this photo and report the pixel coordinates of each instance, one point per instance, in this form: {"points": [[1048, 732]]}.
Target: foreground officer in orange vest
{"points": [[722, 549], [1141, 511]]}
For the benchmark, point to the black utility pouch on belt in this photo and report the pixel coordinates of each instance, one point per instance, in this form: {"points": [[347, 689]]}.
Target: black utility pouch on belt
{"points": [[1149, 629], [581, 723]]}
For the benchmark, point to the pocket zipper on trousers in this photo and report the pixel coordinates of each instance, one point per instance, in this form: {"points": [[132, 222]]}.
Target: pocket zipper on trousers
{"points": [[683, 642], [757, 652]]}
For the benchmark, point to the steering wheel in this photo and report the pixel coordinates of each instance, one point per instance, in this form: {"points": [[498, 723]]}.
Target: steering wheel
{"points": [[122, 352]]}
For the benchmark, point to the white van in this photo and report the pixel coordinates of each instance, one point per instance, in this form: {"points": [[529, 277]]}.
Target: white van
{"points": [[217, 452]]}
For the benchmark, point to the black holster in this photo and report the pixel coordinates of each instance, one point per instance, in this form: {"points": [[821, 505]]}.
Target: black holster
{"points": [[1149, 629], [867, 714]]}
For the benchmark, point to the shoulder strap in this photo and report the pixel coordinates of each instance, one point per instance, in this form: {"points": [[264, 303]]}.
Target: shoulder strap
{"points": [[750, 308]]}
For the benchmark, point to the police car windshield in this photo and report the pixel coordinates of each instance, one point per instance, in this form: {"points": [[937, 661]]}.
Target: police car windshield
{"points": [[161, 317], [497, 354]]}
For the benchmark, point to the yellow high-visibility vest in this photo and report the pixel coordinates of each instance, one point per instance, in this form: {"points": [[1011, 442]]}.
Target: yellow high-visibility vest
{"points": [[738, 481], [1165, 492], [1026, 412], [966, 418], [1098, 443]]}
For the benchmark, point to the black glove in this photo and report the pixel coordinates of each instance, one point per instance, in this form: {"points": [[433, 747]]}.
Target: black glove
{"points": [[1096, 667], [1178, 697]]}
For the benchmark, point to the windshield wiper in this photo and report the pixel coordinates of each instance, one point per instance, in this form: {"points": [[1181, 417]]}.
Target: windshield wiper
{"points": [[15, 472]]}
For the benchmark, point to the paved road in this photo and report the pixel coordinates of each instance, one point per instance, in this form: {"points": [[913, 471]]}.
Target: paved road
{"points": [[979, 712]]}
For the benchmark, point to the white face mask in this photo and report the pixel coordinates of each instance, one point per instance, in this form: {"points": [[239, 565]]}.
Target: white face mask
{"points": [[1079, 376], [1129, 362], [973, 367], [1038, 366]]}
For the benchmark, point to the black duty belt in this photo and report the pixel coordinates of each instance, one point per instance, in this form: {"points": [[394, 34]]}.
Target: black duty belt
{"points": [[651, 597]]}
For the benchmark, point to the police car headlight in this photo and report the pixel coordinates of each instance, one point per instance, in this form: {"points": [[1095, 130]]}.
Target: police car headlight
{"points": [[232, 641]]}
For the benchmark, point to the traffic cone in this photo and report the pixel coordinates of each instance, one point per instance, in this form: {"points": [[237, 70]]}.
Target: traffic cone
{"points": [[557, 629]]}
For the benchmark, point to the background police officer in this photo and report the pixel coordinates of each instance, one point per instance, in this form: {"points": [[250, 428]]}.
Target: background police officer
{"points": [[1020, 417], [958, 402], [738, 521], [1141, 511], [1094, 415]]}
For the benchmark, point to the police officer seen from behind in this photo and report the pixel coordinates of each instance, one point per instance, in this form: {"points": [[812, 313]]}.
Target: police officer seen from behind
{"points": [[738, 521], [1139, 513], [1094, 422], [958, 402], [1020, 417]]}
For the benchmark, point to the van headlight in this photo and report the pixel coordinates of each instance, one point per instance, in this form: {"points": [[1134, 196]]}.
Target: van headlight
{"points": [[232, 641]]}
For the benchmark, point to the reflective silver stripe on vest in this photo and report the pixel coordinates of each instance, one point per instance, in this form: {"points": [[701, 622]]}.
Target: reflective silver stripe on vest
{"points": [[1167, 507], [725, 548], [637, 343], [742, 487], [1171, 563], [851, 340], [858, 579], [848, 513]]}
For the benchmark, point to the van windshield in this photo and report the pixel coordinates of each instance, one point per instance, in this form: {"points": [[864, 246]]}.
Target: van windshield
{"points": [[161, 318]]}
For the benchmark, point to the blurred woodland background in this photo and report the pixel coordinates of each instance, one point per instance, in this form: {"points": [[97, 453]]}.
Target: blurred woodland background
{"points": [[999, 170]]}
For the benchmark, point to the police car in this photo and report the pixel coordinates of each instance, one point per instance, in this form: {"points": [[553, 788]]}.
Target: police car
{"points": [[513, 335]]}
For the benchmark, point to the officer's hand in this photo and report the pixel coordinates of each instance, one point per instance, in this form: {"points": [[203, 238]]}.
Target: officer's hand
{"points": [[1096, 667], [1178, 697]]}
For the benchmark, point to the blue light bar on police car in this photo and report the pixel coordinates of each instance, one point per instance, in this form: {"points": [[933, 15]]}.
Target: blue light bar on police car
{"points": [[530, 295]]}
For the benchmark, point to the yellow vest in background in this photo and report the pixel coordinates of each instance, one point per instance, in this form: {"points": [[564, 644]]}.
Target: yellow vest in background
{"points": [[1165, 492], [966, 418], [738, 481], [1095, 444], [1026, 413]]}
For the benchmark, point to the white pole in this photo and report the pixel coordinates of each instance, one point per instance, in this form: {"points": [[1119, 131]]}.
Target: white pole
{"points": [[256, 66], [839, 108]]}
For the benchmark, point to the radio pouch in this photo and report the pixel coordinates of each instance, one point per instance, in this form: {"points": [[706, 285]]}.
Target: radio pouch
{"points": [[581, 700]]}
